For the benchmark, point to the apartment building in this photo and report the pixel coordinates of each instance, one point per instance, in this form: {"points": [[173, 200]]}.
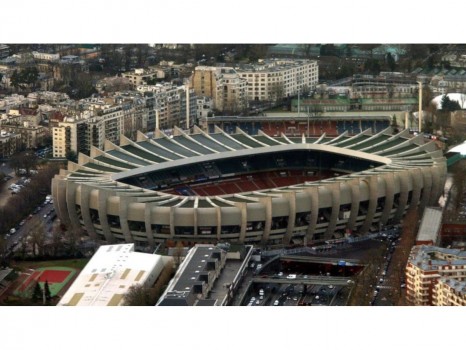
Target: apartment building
{"points": [[224, 85], [204, 107], [449, 292], [43, 56], [9, 144], [426, 265], [271, 80], [204, 81], [71, 135], [50, 97], [31, 136], [195, 277], [13, 102], [95, 120], [140, 76], [231, 95], [171, 104]]}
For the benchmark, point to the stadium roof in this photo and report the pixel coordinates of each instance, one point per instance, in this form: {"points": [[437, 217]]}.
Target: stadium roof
{"points": [[191, 153]]}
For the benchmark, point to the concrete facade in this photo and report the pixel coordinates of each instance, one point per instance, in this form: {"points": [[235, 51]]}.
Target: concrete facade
{"points": [[109, 196]]}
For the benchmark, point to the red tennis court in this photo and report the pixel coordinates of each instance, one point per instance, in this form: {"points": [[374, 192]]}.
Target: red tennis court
{"points": [[53, 276]]}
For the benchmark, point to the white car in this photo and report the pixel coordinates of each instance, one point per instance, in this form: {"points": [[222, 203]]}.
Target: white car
{"points": [[291, 277], [276, 302]]}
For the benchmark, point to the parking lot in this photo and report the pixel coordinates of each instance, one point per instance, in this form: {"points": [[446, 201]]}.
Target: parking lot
{"points": [[298, 290]]}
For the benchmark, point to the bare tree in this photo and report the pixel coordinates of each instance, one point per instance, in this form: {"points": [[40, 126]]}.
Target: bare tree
{"points": [[276, 92], [140, 295], [72, 239], [57, 239], [37, 234], [178, 254]]}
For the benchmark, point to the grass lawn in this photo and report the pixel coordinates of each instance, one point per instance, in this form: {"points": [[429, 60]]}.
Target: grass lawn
{"points": [[73, 263]]}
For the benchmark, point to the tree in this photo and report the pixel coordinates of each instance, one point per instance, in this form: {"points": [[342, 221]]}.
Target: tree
{"points": [[15, 80], [138, 295], [72, 239], [24, 160], [56, 240], [276, 92], [26, 77], [427, 96], [37, 293], [368, 47], [372, 66], [306, 50], [449, 105], [37, 234], [72, 156], [3, 251], [48, 294], [178, 253], [391, 62]]}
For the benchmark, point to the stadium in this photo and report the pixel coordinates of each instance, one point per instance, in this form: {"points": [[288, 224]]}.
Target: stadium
{"points": [[218, 186]]}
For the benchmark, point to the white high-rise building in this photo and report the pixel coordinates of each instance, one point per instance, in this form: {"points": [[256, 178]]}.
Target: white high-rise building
{"points": [[270, 80]]}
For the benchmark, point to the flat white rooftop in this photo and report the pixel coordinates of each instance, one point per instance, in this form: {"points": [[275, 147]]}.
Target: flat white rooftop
{"points": [[430, 225], [107, 277]]}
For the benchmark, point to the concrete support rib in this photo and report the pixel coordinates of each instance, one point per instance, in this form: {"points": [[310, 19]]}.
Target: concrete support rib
{"points": [[355, 200], [373, 191], [218, 213], [148, 223], [427, 188], [244, 220], [102, 200], [403, 199], [195, 221], [59, 193], [443, 176], [418, 183], [172, 222], [267, 202], [86, 192], [124, 205], [70, 202], [291, 197], [335, 193], [389, 197], [314, 197]]}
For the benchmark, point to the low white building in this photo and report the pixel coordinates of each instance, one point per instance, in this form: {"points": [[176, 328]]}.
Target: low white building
{"points": [[44, 56], [110, 273]]}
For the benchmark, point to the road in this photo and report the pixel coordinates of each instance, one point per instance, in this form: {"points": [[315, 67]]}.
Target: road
{"points": [[23, 231]]}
